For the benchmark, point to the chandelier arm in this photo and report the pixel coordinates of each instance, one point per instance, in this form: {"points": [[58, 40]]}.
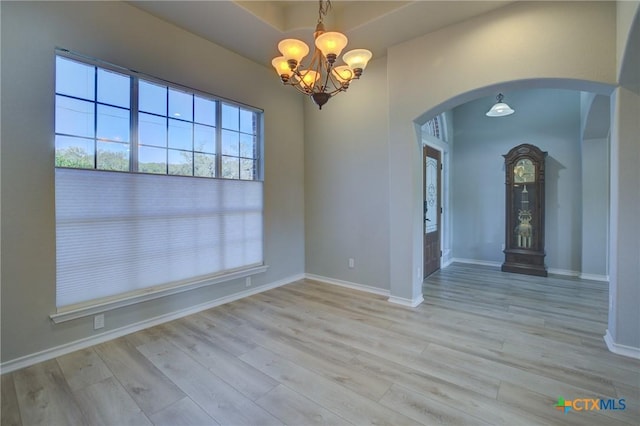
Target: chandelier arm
{"points": [[338, 86], [300, 89], [327, 78], [336, 90], [315, 65]]}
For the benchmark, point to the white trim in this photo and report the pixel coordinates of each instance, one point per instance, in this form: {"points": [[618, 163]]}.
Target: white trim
{"points": [[628, 351], [369, 289], [348, 284], [565, 272], [412, 303], [47, 354], [446, 258], [594, 277], [150, 294], [476, 262]]}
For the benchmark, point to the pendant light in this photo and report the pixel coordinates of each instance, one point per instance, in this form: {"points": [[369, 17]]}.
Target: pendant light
{"points": [[500, 109]]}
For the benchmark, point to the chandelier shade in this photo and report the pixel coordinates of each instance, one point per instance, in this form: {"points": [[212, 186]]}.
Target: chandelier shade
{"points": [[281, 66], [343, 73], [322, 77], [293, 49], [308, 79], [357, 58], [331, 44]]}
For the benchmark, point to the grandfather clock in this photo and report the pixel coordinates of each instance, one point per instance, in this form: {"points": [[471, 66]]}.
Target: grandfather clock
{"points": [[524, 228]]}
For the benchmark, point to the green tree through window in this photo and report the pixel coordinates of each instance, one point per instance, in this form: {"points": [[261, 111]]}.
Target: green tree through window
{"points": [[166, 130]]}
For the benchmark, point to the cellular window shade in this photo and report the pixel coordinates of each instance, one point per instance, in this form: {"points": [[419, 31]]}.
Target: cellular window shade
{"points": [[121, 234]]}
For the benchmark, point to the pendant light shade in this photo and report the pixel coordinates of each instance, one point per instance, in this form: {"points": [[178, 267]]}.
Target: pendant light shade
{"points": [[500, 109]]}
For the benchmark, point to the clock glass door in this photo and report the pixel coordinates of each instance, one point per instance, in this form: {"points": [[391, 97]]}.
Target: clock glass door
{"points": [[524, 199], [432, 209]]}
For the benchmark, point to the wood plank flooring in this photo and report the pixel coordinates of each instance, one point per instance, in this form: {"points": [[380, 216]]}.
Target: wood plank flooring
{"points": [[486, 347]]}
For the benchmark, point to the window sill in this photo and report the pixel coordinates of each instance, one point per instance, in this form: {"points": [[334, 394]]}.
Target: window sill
{"points": [[75, 312]]}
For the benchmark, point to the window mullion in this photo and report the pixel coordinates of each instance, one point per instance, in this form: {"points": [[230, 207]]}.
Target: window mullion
{"points": [[133, 145], [95, 117], [218, 139], [193, 135], [166, 113]]}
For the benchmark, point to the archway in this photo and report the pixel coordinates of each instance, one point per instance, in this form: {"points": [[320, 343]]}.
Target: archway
{"points": [[552, 45]]}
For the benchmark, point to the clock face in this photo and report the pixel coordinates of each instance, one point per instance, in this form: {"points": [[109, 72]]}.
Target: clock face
{"points": [[524, 171]]}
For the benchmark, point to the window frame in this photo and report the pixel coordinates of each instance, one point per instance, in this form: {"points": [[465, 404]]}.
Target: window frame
{"points": [[134, 113], [93, 306]]}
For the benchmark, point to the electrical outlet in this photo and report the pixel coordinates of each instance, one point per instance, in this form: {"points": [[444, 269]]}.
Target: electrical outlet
{"points": [[502, 246], [98, 321], [352, 263], [247, 282]]}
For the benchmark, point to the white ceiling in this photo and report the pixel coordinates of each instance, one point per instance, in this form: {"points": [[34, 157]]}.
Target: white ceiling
{"points": [[254, 28]]}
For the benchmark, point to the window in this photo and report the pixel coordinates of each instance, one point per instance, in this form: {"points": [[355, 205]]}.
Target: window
{"points": [[114, 120], [159, 226]]}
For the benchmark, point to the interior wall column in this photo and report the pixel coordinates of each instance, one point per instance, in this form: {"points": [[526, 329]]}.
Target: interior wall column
{"points": [[623, 334]]}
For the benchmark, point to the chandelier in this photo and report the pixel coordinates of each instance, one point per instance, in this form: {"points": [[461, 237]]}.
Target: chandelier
{"points": [[322, 78]]}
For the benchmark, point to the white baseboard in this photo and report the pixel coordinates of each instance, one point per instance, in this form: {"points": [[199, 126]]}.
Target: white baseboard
{"points": [[47, 354], [369, 289], [628, 351], [446, 263], [412, 303], [565, 272], [446, 258], [348, 284], [476, 262], [594, 277], [555, 271]]}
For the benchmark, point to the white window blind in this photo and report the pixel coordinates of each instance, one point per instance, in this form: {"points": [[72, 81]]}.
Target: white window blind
{"points": [[122, 234]]}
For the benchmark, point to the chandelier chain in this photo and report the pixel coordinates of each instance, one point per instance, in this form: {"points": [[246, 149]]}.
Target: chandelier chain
{"points": [[323, 9]]}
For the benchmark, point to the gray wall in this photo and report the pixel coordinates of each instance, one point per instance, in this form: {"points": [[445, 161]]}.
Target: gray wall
{"points": [[560, 43], [550, 44], [595, 208], [624, 250], [549, 119], [124, 35], [346, 183]]}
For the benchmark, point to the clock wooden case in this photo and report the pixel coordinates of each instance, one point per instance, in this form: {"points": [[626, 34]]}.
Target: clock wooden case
{"points": [[524, 225]]}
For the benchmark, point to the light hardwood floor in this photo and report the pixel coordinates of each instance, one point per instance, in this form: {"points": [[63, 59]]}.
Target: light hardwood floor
{"points": [[486, 347]]}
